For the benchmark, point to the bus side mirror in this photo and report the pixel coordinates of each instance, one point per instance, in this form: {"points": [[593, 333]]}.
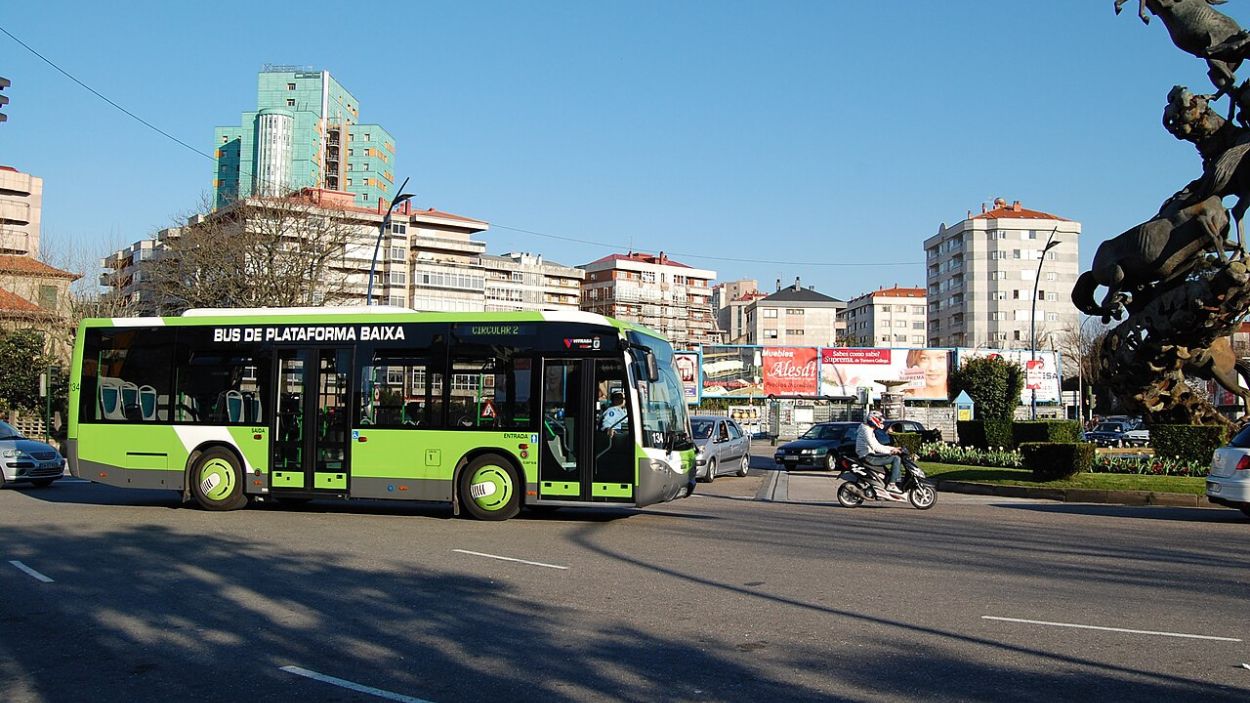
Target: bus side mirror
{"points": [[653, 370]]}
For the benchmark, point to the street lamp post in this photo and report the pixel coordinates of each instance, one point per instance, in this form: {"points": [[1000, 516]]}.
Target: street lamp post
{"points": [[1080, 370], [1037, 280], [400, 196]]}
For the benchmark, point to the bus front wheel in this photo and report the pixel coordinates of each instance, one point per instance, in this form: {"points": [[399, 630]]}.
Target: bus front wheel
{"points": [[490, 489], [217, 480]]}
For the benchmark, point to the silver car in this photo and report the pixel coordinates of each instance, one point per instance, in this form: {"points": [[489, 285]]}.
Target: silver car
{"points": [[1228, 482], [720, 447], [26, 460]]}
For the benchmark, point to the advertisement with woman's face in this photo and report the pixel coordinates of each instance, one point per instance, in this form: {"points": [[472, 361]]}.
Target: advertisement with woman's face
{"points": [[923, 371]]}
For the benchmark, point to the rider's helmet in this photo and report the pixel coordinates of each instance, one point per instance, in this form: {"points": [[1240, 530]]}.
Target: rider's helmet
{"points": [[876, 419]]}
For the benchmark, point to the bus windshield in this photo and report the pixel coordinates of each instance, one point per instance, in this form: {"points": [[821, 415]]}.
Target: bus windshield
{"points": [[663, 403]]}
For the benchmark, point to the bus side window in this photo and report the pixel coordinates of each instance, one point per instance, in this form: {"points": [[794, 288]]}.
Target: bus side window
{"points": [[131, 374], [398, 391]]}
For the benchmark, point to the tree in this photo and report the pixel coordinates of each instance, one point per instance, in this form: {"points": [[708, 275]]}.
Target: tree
{"points": [[259, 252], [993, 383], [22, 359]]}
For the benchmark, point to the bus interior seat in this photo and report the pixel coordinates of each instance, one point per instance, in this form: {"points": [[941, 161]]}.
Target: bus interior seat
{"points": [[131, 409], [111, 399], [147, 402]]}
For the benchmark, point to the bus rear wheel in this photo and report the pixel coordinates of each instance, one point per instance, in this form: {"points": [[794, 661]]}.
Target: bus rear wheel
{"points": [[217, 480], [490, 489]]}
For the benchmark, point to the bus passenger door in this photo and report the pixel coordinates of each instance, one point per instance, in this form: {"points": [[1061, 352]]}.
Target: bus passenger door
{"points": [[312, 425], [564, 435], [587, 451]]}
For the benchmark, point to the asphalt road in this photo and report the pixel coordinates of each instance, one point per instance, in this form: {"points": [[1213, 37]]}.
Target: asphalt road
{"points": [[719, 597]]}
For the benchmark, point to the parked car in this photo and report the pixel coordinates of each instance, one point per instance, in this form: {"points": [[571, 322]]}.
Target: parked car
{"points": [[1107, 434], [1228, 481], [1139, 436], [926, 435], [720, 447], [819, 446], [25, 460]]}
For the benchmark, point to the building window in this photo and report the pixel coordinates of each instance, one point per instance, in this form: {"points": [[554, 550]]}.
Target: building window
{"points": [[399, 228], [290, 102], [770, 334], [367, 137], [290, 86], [397, 253], [1052, 276], [794, 311], [47, 297], [794, 333], [398, 278], [770, 312], [998, 275], [396, 300]]}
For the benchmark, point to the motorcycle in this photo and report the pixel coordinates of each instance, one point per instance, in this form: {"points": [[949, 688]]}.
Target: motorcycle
{"points": [[866, 482]]}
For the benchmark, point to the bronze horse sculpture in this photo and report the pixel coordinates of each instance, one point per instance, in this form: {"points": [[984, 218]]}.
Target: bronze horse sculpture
{"points": [[1196, 29], [1158, 251]]}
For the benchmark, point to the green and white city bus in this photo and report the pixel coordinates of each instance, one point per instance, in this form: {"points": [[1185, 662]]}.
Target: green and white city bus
{"points": [[491, 412]]}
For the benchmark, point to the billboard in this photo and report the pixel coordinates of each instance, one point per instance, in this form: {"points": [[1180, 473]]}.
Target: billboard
{"points": [[732, 372], [688, 364], [1040, 374], [789, 370], [919, 374]]}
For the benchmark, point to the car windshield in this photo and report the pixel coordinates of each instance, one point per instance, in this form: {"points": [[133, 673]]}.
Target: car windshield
{"points": [[1108, 427], [7, 431], [702, 428], [824, 432]]}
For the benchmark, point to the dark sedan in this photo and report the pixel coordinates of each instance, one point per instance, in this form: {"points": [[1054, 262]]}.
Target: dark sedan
{"points": [[926, 435], [1108, 434], [819, 446]]}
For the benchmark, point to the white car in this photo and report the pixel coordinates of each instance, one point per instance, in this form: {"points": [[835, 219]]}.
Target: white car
{"points": [[1228, 483], [1139, 437]]}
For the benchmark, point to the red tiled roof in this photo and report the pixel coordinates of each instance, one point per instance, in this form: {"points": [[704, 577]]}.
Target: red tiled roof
{"points": [[446, 215], [14, 305], [897, 292], [1014, 211], [661, 259], [33, 267]]}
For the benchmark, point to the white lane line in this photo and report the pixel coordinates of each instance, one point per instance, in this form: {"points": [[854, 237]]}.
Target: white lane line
{"points": [[1113, 629], [519, 561], [31, 572], [350, 685]]}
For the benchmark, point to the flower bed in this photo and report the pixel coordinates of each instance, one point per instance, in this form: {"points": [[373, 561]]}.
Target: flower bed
{"points": [[1103, 463], [969, 456]]}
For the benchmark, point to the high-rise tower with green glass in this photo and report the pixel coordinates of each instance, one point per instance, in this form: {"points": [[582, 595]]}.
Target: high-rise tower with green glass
{"points": [[304, 133]]}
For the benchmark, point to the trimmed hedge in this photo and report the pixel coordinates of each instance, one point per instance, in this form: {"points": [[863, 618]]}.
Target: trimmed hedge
{"points": [[907, 440], [1052, 461], [1194, 443], [998, 434], [971, 433], [1065, 431]]}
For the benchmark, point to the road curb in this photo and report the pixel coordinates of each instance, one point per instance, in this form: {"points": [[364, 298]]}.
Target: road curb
{"points": [[775, 487], [1078, 495]]}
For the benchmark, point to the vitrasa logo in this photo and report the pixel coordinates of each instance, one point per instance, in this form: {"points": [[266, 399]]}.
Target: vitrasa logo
{"points": [[310, 333]]}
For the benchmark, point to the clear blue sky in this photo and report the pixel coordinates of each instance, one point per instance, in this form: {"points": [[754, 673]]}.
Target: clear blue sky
{"points": [[803, 132]]}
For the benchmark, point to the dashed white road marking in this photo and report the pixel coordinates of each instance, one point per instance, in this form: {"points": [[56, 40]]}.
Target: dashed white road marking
{"points": [[519, 561], [1112, 629], [31, 572], [352, 686]]}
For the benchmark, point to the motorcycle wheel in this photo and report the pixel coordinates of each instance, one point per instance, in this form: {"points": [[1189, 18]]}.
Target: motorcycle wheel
{"points": [[848, 497], [922, 497]]}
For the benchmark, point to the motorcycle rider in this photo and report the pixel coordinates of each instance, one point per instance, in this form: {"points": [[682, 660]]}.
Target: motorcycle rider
{"points": [[872, 452]]}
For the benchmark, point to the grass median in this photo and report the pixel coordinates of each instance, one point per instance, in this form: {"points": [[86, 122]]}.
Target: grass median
{"points": [[1102, 482]]}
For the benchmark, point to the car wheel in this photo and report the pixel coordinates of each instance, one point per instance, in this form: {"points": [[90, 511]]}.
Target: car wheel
{"points": [[848, 497], [489, 488], [217, 480], [831, 461], [42, 482], [711, 470], [746, 464]]}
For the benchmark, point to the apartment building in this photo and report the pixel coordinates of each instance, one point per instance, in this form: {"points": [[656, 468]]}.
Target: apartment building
{"points": [[427, 259], [21, 203], [730, 300], [304, 133], [524, 281], [887, 317], [653, 290], [985, 275], [795, 316]]}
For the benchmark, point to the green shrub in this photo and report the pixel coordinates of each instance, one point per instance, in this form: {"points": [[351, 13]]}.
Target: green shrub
{"points": [[971, 433], [993, 383], [1045, 431], [1051, 461], [907, 440], [1188, 443], [998, 434]]}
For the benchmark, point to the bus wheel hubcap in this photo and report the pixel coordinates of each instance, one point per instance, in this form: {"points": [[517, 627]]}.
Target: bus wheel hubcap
{"points": [[217, 479], [491, 487]]}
